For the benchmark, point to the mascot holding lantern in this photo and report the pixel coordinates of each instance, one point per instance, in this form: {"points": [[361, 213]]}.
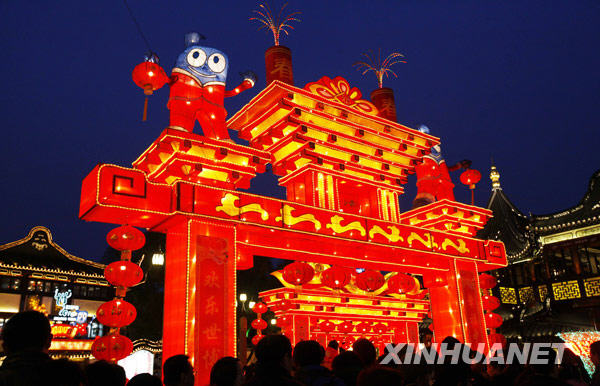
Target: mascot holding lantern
{"points": [[197, 87]]}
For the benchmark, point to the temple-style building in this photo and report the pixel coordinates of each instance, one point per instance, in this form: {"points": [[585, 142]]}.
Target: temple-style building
{"points": [[552, 282], [37, 274]]}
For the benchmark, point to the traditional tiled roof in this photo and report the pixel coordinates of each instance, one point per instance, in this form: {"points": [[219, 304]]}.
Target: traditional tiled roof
{"points": [[37, 251], [586, 213], [508, 225]]}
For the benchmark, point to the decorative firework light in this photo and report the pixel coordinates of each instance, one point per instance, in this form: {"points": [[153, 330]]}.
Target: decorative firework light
{"points": [[379, 67], [579, 342], [276, 24]]}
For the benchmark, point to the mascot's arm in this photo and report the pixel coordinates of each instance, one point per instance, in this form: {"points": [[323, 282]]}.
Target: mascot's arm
{"points": [[248, 82]]}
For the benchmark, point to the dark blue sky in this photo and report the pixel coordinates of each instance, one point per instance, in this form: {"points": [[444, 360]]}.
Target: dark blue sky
{"points": [[514, 80]]}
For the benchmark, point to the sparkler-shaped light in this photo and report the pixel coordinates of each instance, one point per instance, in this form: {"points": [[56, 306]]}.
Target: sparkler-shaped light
{"points": [[276, 24], [379, 67]]}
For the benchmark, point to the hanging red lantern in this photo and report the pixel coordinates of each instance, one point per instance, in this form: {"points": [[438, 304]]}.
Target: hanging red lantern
{"points": [[257, 338], [283, 321], [434, 280], [370, 280], [490, 302], [112, 348], [298, 273], [496, 338], [345, 327], [493, 320], [348, 341], [487, 281], [284, 305], [336, 277], [260, 308], [326, 326], [259, 324], [402, 283], [149, 76], [116, 313], [126, 238], [380, 328], [123, 273], [470, 177], [363, 327]]}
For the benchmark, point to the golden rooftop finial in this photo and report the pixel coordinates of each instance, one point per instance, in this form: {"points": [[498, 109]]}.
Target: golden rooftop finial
{"points": [[495, 177]]}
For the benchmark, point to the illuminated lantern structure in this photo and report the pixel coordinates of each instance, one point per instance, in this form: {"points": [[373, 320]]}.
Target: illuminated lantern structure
{"points": [[470, 177], [119, 313], [149, 76], [343, 167]]}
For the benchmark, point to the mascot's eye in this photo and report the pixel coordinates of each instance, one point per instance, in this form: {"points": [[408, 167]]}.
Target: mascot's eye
{"points": [[196, 57], [216, 62]]}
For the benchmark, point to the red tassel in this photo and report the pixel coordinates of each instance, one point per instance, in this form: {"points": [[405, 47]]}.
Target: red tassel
{"points": [[145, 115]]}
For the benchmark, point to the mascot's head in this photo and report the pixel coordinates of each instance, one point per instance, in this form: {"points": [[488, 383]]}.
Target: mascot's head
{"points": [[436, 151], [206, 64]]}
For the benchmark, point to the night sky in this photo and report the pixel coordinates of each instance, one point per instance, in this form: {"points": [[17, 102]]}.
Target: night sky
{"points": [[517, 81]]}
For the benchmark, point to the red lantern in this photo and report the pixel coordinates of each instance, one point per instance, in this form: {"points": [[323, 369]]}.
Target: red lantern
{"points": [[363, 327], [298, 273], [257, 338], [149, 76], [370, 280], [259, 324], [470, 177], [116, 313], [260, 308], [112, 347], [345, 327], [126, 238], [433, 280], [326, 326], [497, 338], [402, 283], [336, 277], [487, 281], [489, 302], [123, 273], [380, 328], [284, 321], [348, 341], [285, 304], [493, 320]]}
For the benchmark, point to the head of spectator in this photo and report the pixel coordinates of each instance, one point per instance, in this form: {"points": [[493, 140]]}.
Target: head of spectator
{"points": [[102, 373], [365, 351], [308, 353], [227, 371], [177, 371], [379, 375], [144, 379], [273, 351], [26, 331], [63, 372], [334, 345], [595, 353], [347, 366]]}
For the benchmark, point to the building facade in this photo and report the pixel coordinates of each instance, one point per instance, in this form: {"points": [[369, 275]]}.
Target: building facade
{"points": [[552, 282], [37, 274]]}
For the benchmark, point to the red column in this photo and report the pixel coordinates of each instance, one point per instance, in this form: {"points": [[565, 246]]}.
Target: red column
{"points": [[456, 307], [199, 312]]}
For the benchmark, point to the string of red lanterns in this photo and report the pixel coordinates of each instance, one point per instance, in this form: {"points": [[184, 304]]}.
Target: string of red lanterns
{"points": [[490, 303], [119, 313], [259, 324]]}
